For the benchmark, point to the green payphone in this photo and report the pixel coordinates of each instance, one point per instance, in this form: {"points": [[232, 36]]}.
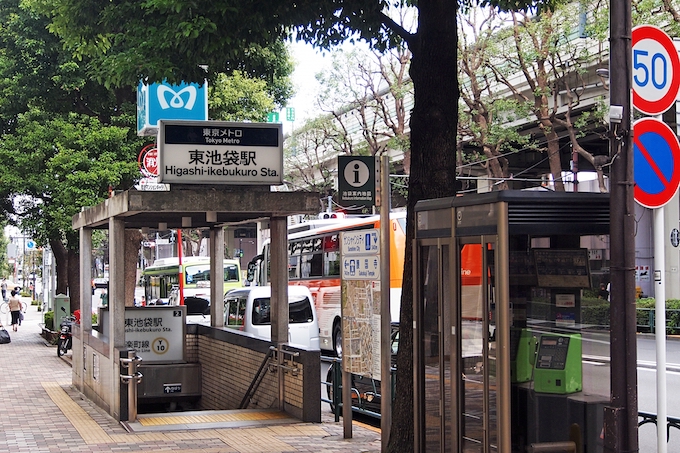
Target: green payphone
{"points": [[558, 364], [522, 354]]}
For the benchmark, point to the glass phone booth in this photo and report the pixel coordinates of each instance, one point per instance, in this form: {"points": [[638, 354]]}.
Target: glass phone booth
{"points": [[511, 342]]}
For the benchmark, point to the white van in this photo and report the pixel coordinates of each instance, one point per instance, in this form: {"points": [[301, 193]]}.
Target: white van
{"points": [[248, 309]]}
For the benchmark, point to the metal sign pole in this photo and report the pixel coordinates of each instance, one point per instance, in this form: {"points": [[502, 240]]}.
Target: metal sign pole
{"points": [[660, 326], [385, 315]]}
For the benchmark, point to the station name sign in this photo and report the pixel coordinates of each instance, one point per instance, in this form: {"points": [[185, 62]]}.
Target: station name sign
{"points": [[220, 152]]}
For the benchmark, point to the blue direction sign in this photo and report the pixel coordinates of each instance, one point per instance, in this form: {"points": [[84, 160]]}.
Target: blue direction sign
{"points": [[360, 242], [656, 154], [361, 268]]}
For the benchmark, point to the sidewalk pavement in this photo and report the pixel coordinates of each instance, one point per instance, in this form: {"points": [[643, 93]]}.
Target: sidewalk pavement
{"points": [[40, 412]]}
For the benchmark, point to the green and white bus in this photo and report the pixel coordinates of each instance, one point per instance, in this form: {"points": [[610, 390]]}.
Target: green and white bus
{"points": [[162, 279]]}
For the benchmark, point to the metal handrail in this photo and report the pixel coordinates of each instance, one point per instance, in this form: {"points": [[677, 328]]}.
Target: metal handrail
{"points": [[257, 379]]}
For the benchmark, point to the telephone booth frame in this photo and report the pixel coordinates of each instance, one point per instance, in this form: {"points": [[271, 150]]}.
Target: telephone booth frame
{"points": [[474, 285]]}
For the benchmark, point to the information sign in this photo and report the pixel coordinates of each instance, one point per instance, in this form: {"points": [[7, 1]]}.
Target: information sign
{"points": [[656, 154], [656, 70], [356, 181]]}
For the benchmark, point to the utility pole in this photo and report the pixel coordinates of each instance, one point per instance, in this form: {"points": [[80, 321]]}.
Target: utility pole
{"points": [[620, 418]]}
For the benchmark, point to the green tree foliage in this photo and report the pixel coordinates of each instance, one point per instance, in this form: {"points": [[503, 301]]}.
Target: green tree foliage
{"points": [[170, 38], [58, 151], [486, 114], [5, 268], [173, 40], [35, 72], [52, 166], [239, 98], [68, 132]]}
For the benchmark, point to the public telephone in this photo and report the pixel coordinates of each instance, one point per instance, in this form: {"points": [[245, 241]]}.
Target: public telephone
{"points": [[522, 354], [558, 366]]}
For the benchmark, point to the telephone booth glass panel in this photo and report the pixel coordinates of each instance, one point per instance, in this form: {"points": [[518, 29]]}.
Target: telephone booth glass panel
{"points": [[435, 293], [477, 355]]}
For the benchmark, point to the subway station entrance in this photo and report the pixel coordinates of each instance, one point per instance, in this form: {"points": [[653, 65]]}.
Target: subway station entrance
{"points": [[212, 366], [511, 344]]}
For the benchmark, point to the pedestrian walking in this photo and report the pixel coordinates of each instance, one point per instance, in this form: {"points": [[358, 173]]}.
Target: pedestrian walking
{"points": [[3, 286], [15, 306]]}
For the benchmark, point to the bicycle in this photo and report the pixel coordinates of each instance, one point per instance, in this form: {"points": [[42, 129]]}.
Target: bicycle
{"points": [[4, 308]]}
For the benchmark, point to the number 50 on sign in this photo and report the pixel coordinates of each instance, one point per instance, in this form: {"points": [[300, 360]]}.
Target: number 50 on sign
{"points": [[656, 70]]}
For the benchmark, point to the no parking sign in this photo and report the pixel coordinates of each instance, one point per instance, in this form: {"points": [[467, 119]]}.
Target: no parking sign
{"points": [[656, 154]]}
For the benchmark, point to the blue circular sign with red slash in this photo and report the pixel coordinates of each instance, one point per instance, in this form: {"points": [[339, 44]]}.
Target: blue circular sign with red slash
{"points": [[656, 154]]}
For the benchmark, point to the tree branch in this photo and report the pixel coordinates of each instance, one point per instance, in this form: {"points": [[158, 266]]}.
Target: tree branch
{"points": [[398, 29]]}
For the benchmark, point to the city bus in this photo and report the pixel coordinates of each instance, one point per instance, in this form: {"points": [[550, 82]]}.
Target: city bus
{"points": [[162, 285], [314, 261]]}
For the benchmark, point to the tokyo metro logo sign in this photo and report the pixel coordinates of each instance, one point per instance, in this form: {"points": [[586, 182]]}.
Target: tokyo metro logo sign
{"points": [[180, 99], [163, 101]]}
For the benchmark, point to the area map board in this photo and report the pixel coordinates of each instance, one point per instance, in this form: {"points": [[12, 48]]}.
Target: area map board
{"points": [[360, 302]]}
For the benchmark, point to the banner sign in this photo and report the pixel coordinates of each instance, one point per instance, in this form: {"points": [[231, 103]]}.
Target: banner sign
{"points": [[157, 333], [220, 152]]}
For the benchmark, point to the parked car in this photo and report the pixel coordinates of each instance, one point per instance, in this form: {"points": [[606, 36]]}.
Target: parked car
{"points": [[249, 310]]}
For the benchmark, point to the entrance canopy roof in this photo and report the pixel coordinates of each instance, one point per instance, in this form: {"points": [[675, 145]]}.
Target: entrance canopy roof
{"points": [[206, 206]]}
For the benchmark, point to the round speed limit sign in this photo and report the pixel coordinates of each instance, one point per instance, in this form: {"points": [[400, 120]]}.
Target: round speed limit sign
{"points": [[656, 70]]}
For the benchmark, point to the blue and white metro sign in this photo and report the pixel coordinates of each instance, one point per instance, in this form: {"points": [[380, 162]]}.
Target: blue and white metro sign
{"points": [[163, 101]]}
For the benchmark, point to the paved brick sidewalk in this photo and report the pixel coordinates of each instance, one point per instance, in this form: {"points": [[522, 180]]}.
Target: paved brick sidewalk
{"points": [[40, 412]]}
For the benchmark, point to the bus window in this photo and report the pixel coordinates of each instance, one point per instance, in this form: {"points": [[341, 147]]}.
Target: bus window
{"points": [[331, 257], [231, 273], [311, 245], [235, 309], [331, 263], [294, 248], [194, 274], [293, 266], [162, 279], [312, 265]]}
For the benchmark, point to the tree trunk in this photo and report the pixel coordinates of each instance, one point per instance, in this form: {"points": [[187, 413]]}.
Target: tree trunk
{"points": [[61, 266], [554, 158], [133, 241], [68, 273], [74, 279], [433, 174]]}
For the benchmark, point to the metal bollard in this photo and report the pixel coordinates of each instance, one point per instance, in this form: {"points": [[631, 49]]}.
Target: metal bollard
{"points": [[133, 378]]}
